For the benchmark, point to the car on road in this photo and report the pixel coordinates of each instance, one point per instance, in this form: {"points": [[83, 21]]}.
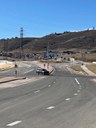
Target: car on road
{"points": [[42, 71]]}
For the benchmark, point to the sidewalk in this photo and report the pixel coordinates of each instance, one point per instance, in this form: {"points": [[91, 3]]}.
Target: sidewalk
{"points": [[9, 79]]}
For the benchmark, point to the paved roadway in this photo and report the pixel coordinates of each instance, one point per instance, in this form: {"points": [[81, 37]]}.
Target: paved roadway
{"points": [[61, 100], [24, 69]]}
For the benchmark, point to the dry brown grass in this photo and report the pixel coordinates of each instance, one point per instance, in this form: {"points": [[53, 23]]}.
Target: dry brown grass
{"points": [[53, 61], [77, 68], [89, 57], [92, 67], [84, 57], [6, 66]]}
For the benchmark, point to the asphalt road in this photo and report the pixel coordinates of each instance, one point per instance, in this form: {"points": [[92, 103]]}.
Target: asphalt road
{"points": [[24, 69], [61, 100]]}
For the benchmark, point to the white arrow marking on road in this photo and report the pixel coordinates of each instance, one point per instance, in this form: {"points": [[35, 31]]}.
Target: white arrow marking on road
{"points": [[51, 107], [77, 81], [13, 123]]}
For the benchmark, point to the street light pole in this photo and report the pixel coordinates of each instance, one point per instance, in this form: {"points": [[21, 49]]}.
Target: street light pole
{"points": [[47, 50], [47, 55], [21, 42]]}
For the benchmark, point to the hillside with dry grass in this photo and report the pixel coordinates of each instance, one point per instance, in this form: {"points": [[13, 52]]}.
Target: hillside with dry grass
{"points": [[83, 40]]}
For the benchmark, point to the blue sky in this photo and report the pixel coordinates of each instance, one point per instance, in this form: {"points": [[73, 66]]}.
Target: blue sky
{"points": [[42, 17]]}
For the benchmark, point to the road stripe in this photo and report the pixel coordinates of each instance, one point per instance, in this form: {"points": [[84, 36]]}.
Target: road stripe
{"points": [[37, 91], [67, 99], [51, 107], [29, 71], [77, 81], [13, 123], [75, 94], [49, 85]]}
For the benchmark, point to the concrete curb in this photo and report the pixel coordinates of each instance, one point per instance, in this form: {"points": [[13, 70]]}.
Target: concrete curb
{"points": [[10, 79]]}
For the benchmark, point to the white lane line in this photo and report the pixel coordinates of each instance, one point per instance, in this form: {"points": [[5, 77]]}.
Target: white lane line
{"points": [[37, 91], [75, 94], [13, 123], [67, 99], [51, 107], [29, 71], [54, 82], [77, 81], [49, 85]]}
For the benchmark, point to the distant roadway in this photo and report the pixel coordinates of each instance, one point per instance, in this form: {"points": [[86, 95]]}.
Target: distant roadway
{"points": [[61, 100]]}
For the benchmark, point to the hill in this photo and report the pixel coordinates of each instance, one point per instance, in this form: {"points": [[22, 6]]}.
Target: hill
{"points": [[82, 40]]}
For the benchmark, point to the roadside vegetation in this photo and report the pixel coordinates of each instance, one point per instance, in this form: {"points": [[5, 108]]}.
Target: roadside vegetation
{"points": [[92, 67], [6, 66], [77, 68]]}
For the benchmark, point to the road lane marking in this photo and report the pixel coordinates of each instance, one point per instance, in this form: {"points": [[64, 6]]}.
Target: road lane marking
{"points": [[49, 85], [54, 82], [77, 81], [37, 91], [67, 99], [75, 94], [29, 71], [13, 123], [51, 107]]}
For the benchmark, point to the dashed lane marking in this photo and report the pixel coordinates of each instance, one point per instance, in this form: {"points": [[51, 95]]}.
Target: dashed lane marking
{"points": [[13, 123], [37, 91], [77, 81], [51, 107], [29, 71], [75, 94], [49, 85], [67, 99]]}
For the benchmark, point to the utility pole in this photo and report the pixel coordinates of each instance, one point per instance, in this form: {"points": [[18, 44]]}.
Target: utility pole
{"points": [[47, 55], [21, 42], [6, 48], [47, 50], [3, 49]]}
